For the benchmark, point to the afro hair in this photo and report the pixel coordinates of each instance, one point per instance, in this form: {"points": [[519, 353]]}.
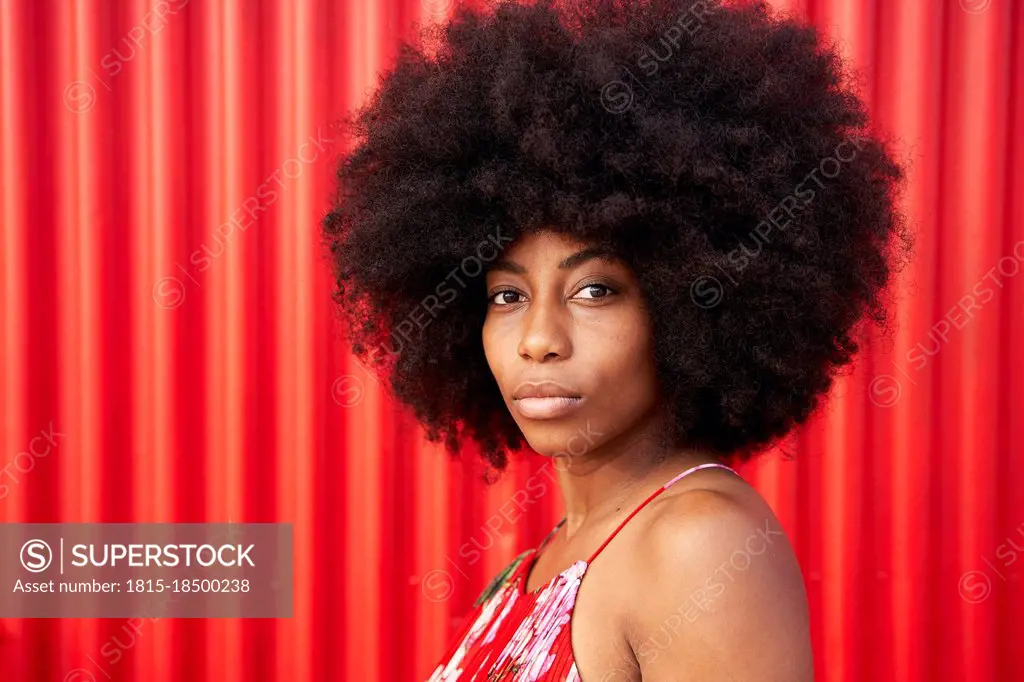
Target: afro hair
{"points": [[719, 148]]}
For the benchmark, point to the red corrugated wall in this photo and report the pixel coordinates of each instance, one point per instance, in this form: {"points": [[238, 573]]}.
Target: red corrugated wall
{"points": [[178, 374]]}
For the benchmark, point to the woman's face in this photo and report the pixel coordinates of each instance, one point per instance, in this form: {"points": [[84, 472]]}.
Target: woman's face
{"points": [[568, 340]]}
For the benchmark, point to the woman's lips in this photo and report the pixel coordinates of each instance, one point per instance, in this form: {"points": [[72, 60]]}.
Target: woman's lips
{"points": [[546, 408]]}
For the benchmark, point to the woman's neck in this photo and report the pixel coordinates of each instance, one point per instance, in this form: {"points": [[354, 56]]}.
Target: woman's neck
{"points": [[597, 484]]}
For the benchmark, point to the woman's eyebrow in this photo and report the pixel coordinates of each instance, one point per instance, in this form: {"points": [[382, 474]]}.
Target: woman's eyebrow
{"points": [[575, 260], [583, 256]]}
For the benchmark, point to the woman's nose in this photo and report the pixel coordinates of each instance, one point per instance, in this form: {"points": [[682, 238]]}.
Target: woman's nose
{"points": [[545, 335]]}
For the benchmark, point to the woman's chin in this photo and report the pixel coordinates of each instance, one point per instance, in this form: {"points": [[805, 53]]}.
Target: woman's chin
{"points": [[561, 442]]}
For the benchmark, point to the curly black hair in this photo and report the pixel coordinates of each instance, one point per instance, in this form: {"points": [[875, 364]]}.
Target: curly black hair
{"points": [[720, 149]]}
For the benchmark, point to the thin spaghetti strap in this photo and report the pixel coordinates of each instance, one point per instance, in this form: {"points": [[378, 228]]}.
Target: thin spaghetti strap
{"points": [[689, 471], [669, 484]]}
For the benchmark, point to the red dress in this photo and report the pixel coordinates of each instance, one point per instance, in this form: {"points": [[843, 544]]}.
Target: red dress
{"points": [[517, 636]]}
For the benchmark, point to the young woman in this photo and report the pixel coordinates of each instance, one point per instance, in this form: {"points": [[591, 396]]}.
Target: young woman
{"points": [[637, 237]]}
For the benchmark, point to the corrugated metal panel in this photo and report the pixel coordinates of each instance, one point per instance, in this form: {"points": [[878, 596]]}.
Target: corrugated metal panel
{"points": [[188, 371]]}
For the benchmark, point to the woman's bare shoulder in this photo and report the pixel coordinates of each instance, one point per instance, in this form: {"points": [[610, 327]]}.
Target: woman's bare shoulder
{"points": [[720, 593]]}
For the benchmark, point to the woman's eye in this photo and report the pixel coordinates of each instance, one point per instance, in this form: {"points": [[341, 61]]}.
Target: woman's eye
{"points": [[594, 291], [507, 297]]}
